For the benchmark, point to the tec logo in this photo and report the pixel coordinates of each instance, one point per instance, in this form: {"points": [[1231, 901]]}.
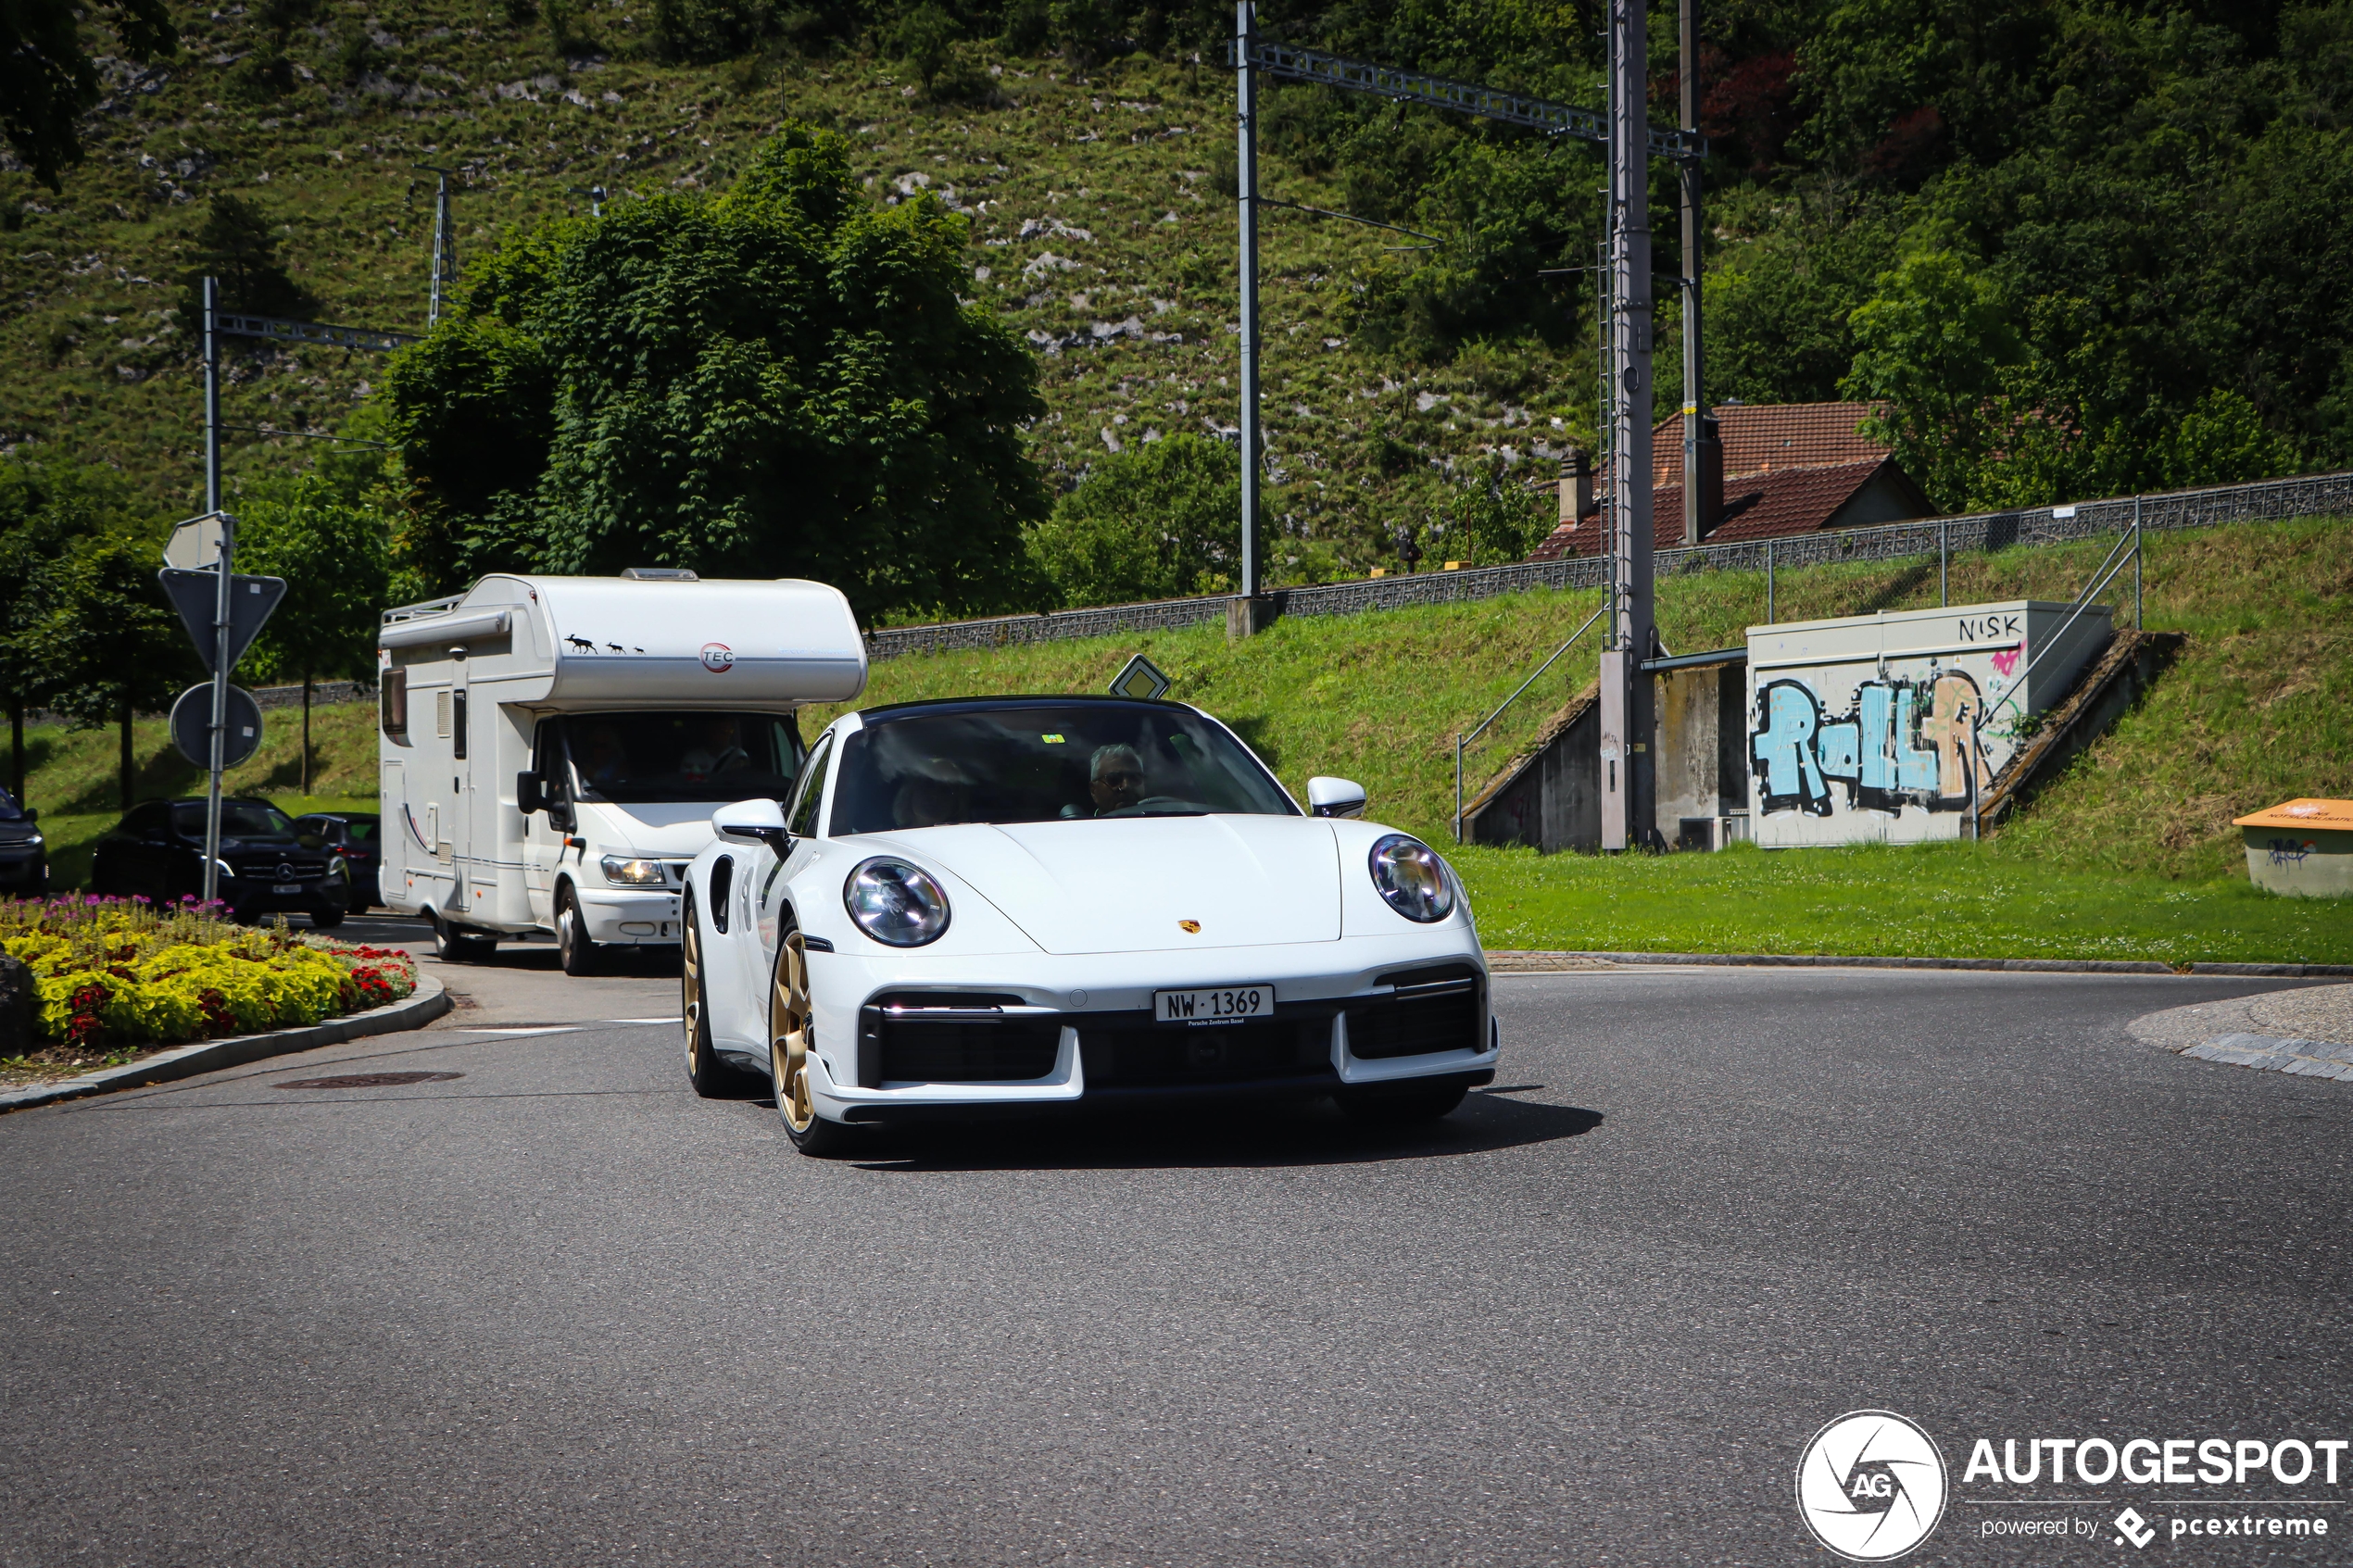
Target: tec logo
{"points": [[1870, 1485], [718, 657]]}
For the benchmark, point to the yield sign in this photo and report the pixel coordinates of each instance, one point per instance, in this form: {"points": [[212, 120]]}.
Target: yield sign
{"points": [[250, 601]]}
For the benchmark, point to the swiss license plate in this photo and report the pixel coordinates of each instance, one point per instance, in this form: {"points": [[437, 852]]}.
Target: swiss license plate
{"points": [[285, 887], [1224, 1004]]}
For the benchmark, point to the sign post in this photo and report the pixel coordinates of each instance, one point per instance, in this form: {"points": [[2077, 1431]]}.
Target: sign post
{"points": [[227, 548]]}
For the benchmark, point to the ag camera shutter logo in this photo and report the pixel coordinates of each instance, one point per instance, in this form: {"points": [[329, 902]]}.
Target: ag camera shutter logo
{"points": [[1872, 1485]]}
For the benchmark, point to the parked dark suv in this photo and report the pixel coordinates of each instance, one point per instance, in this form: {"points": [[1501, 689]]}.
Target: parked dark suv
{"points": [[157, 852], [350, 836], [24, 854]]}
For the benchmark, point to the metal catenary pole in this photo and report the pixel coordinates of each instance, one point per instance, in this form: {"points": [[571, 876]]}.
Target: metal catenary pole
{"points": [[2137, 563], [1695, 519], [1625, 689], [445, 244], [221, 590], [1246, 102]]}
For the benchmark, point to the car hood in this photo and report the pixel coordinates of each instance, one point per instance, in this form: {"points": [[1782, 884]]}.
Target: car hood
{"points": [[665, 829], [1124, 886]]}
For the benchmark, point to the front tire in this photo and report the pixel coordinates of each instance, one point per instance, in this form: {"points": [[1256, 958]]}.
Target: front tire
{"points": [[710, 1076], [788, 1032], [326, 918], [448, 945], [580, 954], [1401, 1105]]}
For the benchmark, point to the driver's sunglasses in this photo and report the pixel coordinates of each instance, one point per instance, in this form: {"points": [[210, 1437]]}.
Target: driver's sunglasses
{"points": [[1115, 780]]}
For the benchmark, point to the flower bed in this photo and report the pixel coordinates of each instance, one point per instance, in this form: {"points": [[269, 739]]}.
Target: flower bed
{"points": [[115, 977]]}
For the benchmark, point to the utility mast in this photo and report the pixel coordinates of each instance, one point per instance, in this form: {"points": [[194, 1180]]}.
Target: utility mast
{"points": [[445, 246], [1626, 720], [1700, 499]]}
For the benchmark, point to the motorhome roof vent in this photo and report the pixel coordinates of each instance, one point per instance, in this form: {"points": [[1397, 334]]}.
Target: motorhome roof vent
{"points": [[659, 573]]}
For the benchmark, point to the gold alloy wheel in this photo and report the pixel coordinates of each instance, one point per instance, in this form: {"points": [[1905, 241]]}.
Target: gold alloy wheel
{"points": [[788, 1034], [690, 989]]}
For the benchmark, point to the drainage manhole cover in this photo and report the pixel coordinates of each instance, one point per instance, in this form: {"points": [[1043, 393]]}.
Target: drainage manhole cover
{"points": [[370, 1080]]}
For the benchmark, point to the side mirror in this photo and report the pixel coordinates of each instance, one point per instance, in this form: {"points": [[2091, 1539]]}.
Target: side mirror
{"points": [[528, 795], [1335, 797], [31, 815], [759, 819]]}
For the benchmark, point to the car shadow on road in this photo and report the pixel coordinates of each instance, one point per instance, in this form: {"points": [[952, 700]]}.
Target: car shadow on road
{"points": [[1313, 1134]]}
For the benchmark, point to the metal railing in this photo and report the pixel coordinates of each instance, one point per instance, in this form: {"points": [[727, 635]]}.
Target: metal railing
{"points": [[2126, 548], [1463, 740]]}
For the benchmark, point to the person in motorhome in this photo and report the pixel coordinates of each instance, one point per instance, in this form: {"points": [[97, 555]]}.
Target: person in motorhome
{"points": [[718, 748]]}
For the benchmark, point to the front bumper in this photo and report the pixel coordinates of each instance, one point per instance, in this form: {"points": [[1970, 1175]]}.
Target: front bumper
{"points": [[1073, 1029], [620, 917], [26, 872], [248, 896]]}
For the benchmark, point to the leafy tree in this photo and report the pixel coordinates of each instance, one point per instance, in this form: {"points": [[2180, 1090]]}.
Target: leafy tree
{"points": [[332, 555], [41, 509], [107, 644], [1159, 521], [778, 381], [235, 246], [925, 37], [47, 81], [704, 31]]}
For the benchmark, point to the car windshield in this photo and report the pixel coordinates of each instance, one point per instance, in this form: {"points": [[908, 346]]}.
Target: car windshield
{"points": [[9, 811], [631, 758], [1036, 764], [239, 818]]}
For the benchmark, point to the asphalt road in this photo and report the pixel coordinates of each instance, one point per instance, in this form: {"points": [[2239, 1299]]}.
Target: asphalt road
{"points": [[559, 1311]]}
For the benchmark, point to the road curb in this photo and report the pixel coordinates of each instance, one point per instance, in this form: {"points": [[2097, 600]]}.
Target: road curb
{"points": [[1524, 962], [421, 1006]]}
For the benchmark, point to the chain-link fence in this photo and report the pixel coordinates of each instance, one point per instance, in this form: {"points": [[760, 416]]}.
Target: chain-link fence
{"points": [[2311, 495]]}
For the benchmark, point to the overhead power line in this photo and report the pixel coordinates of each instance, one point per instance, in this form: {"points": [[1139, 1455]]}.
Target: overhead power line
{"points": [[1489, 103]]}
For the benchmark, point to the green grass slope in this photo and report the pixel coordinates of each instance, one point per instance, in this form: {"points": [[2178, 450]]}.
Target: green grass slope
{"points": [[2129, 853], [1096, 229]]}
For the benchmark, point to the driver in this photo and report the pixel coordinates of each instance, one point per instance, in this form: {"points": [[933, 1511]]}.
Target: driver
{"points": [[1114, 778], [719, 749]]}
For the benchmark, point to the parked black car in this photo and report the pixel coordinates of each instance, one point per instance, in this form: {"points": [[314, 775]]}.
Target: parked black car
{"points": [[24, 854], [157, 852], [351, 838]]}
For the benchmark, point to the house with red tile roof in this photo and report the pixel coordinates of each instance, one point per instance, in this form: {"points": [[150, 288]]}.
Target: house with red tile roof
{"points": [[1792, 468]]}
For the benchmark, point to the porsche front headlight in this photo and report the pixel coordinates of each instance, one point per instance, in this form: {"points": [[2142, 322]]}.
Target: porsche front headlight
{"points": [[1412, 878], [896, 903]]}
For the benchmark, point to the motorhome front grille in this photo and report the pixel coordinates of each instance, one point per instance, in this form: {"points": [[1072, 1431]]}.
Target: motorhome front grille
{"points": [[1124, 1055], [951, 1038], [1431, 1009]]}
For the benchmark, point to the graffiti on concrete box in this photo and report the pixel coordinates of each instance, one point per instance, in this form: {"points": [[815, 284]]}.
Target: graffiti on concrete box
{"points": [[1903, 743]]}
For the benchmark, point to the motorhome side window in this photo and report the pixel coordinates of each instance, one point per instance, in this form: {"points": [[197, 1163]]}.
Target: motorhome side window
{"points": [[392, 703], [718, 756], [457, 724], [805, 808]]}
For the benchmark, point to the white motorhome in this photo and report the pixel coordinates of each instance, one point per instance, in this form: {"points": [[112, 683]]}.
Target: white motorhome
{"points": [[552, 747]]}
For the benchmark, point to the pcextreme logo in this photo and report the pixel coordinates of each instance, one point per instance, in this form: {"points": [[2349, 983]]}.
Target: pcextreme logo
{"points": [[1870, 1485]]}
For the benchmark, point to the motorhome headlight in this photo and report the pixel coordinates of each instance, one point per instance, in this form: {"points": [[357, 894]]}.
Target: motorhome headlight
{"points": [[623, 870], [1412, 878], [896, 903]]}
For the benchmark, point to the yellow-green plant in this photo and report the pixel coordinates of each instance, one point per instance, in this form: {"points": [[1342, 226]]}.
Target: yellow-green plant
{"points": [[113, 971]]}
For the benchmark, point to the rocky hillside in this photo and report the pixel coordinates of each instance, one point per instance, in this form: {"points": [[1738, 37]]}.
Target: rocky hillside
{"points": [[1097, 227]]}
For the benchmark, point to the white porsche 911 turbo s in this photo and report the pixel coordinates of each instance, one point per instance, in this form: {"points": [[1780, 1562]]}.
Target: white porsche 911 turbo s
{"points": [[1013, 904]]}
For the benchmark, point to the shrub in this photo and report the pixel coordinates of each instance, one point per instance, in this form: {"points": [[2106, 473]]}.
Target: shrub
{"points": [[112, 972]]}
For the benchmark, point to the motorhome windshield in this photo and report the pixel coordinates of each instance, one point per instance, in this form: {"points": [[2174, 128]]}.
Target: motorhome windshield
{"points": [[631, 758]]}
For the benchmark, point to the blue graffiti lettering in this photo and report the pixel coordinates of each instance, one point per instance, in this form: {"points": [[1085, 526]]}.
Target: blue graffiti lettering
{"points": [[1903, 743]]}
